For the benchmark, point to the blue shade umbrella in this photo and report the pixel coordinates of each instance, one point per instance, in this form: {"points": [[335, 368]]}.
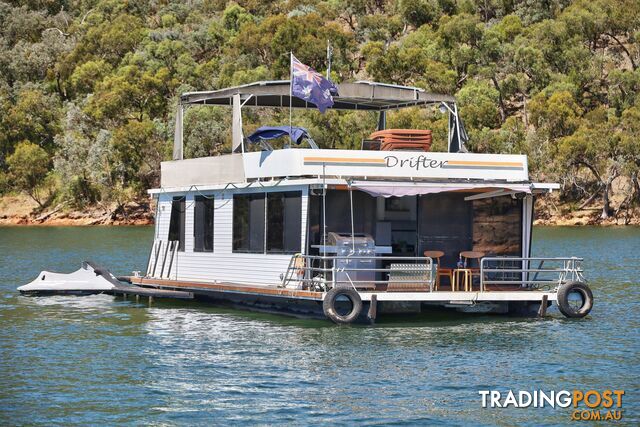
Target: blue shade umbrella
{"points": [[264, 133]]}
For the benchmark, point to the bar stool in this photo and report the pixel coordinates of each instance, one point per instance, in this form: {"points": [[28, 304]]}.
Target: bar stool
{"points": [[469, 256], [466, 275], [448, 272]]}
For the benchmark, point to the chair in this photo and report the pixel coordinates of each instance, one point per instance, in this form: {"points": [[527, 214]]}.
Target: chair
{"points": [[469, 256], [441, 271]]}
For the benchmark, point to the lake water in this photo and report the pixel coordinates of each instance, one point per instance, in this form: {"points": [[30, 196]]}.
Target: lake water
{"points": [[101, 360]]}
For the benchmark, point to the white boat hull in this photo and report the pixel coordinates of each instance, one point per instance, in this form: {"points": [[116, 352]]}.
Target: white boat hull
{"points": [[88, 279]]}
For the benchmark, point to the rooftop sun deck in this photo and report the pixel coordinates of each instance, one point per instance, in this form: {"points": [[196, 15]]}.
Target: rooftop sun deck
{"points": [[456, 168]]}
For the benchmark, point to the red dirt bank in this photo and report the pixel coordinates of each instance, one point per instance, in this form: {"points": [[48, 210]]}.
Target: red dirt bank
{"points": [[19, 210]]}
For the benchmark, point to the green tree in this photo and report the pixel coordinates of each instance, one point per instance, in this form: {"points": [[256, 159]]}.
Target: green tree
{"points": [[630, 149], [110, 39], [235, 16], [136, 154], [459, 38], [83, 160], [88, 75], [595, 146], [4, 183], [130, 93], [419, 12], [557, 115], [534, 77], [34, 117], [206, 131], [478, 103], [28, 168]]}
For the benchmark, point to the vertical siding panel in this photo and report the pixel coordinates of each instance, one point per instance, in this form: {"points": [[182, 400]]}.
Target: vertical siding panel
{"points": [[164, 216], [156, 219], [223, 226], [222, 264], [188, 222]]}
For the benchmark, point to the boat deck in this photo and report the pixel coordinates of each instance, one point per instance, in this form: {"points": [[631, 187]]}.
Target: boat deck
{"points": [[150, 292], [226, 287], [443, 294]]}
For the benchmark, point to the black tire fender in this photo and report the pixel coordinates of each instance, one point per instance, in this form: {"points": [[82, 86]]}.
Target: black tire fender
{"points": [[563, 299], [329, 305]]}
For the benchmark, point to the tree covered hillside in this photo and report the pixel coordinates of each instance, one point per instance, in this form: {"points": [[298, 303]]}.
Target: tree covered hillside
{"points": [[88, 88]]}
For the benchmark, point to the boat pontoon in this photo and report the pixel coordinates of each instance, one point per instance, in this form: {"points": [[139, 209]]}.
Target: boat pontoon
{"points": [[353, 235]]}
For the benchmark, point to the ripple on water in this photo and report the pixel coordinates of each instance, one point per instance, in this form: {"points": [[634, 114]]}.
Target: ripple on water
{"points": [[100, 360]]}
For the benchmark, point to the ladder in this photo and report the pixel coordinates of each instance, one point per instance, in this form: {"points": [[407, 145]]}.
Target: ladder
{"points": [[163, 259]]}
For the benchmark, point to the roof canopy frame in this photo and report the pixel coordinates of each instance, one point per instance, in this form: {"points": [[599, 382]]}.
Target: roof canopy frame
{"points": [[358, 96], [353, 96]]}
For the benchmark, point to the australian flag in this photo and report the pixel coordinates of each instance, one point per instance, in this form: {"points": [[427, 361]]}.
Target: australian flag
{"points": [[308, 84]]}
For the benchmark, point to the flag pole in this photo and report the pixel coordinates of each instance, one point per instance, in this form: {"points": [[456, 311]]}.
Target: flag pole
{"points": [[329, 54], [290, 98]]}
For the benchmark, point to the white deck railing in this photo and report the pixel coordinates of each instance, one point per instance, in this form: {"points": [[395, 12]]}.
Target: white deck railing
{"points": [[530, 272], [361, 272], [419, 273]]}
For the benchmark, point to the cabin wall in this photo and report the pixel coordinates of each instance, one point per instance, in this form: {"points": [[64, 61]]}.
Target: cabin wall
{"points": [[202, 170], [222, 264], [163, 216], [497, 226]]}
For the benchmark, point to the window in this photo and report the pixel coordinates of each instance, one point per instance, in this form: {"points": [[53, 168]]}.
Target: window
{"points": [[338, 208], [284, 220], [283, 212], [176, 223], [203, 224], [248, 223]]}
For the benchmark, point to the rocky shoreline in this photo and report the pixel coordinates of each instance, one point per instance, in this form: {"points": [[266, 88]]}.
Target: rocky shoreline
{"points": [[139, 216], [554, 213], [20, 212], [130, 213]]}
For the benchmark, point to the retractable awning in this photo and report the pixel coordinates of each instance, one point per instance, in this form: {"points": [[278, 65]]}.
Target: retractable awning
{"points": [[400, 189]]}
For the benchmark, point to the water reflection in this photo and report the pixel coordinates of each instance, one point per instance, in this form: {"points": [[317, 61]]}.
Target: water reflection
{"points": [[102, 360]]}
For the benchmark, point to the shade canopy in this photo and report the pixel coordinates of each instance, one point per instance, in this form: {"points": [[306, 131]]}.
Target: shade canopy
{"points": [[361, 95], [265, 133], [400, 189]]}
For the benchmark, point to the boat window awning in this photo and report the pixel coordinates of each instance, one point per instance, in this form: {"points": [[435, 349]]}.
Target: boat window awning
{"points": [[387, 189]]}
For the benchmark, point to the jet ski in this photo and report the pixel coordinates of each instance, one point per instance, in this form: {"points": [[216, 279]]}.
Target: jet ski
{"points": [[89, 279]]}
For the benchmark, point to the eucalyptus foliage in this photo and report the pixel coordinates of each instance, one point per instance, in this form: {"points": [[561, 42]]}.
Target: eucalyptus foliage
{"points": [[88, 88]]}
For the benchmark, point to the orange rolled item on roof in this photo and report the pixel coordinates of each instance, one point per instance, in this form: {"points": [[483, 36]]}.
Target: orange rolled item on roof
{"points": [[403, 139]]}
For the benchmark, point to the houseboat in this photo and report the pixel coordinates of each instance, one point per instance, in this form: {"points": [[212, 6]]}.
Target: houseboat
{"points": [[353, 235]]}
